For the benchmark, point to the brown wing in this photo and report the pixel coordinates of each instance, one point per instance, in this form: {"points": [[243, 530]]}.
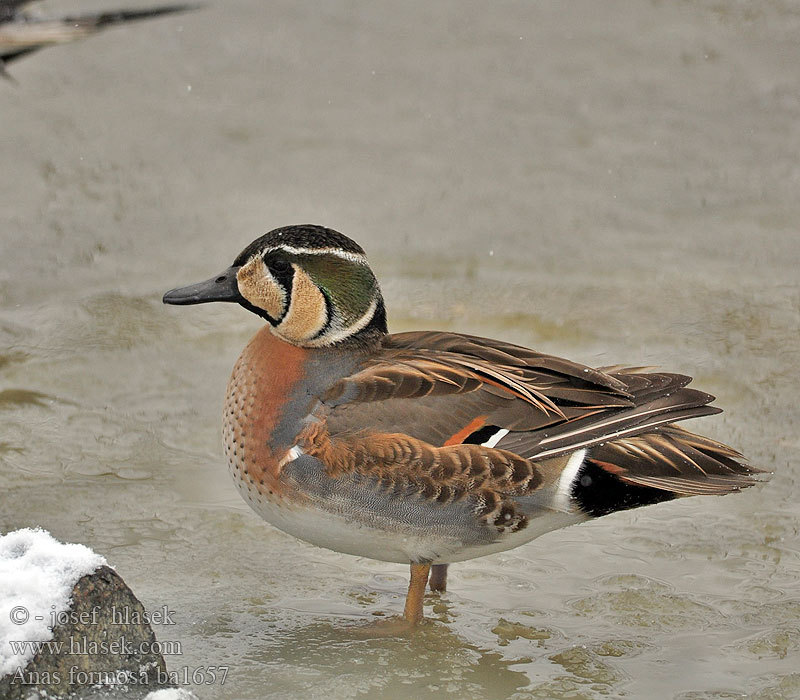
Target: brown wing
{"points": [[443, 389], [434, 385], [490, 479], [676, 460], [657, 399]]}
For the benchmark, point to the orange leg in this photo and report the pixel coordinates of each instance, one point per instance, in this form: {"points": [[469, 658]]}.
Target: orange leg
{"points": [[438, 582], [416, 592]]}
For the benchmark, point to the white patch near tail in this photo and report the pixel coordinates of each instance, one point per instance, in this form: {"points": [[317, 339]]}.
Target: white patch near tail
{"points": [[497, 437], [567, 479]]}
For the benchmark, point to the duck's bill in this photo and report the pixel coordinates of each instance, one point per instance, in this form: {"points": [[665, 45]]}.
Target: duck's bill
{"points": [[223, 287]]}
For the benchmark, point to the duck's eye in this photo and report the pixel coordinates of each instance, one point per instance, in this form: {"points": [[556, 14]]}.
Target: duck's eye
{"points": [[278, 265]]}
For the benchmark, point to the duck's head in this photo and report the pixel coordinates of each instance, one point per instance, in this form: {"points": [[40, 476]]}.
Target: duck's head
{"points": [[312, 284]]}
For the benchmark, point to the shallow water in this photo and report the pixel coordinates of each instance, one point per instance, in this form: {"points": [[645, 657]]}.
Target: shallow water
{"points": [[615, 182]]}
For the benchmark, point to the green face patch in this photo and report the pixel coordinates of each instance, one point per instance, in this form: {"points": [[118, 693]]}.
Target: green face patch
{"points": [[349, 286]]}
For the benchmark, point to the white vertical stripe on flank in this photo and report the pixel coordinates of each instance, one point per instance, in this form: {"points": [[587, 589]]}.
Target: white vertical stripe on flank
{"points": [[567, 478], [497, 437]]}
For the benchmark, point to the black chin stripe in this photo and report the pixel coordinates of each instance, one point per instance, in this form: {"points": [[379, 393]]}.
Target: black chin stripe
{"points": [[259, 312], [599, 492]]}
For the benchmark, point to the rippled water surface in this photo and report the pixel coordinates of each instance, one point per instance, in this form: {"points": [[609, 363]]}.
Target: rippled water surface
{"points": [[616, 182]]}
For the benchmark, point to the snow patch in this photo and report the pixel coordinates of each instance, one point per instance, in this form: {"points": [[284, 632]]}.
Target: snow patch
{"points": [[171, 694], [37, 575]]}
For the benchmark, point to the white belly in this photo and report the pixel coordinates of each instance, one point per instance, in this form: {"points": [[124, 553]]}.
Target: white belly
{"points": [[332, 531]]}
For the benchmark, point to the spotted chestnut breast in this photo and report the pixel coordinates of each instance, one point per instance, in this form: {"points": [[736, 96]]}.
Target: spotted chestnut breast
{"points": [[253, 408]]}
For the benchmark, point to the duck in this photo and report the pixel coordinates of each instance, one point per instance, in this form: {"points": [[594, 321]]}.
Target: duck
{"points": [[429, 448]]}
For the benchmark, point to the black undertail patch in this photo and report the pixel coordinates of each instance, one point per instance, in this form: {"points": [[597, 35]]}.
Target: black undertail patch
{"points": [[599, 492]]}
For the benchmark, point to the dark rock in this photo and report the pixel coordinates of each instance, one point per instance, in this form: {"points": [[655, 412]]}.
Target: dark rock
{"points": [[104, 640]]}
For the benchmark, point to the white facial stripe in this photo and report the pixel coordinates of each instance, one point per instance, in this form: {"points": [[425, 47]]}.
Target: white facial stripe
{"points": [[345, 255], [497, 437], [567, 478], [337, 332]]}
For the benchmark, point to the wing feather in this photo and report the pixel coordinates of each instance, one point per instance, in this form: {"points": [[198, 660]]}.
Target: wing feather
{"points": [[435, 388]]}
